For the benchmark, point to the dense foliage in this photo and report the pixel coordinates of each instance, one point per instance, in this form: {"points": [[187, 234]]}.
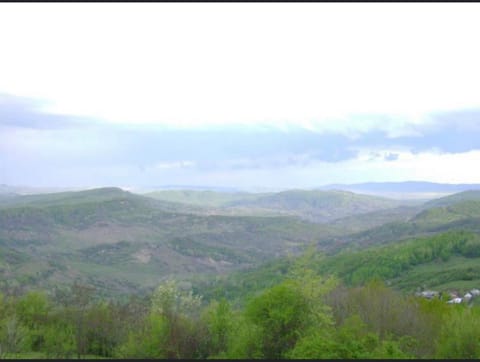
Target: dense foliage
{"points": [[356, 303], [444, 262], [304, 316], [391, 261]]}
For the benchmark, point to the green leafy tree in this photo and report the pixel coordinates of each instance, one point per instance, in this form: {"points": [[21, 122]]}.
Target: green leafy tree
{"points": [[460, 334], [180, 310], [218, 318], [350, 341], [146, 342], [246, 340], [312, 286], [59, 340], [103, 329], [81, 297], [32, 310], [13, 336], [281, 312]]}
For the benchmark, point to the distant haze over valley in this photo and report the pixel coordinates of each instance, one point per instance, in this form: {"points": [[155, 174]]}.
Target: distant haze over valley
{"points": [[395, 190], [121, 241], [407, 189], [273, 108]]}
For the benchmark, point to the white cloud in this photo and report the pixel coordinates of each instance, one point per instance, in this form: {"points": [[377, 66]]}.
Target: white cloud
{"points": [[353, 68], [174, 164], [428, 166], [209, 64]]}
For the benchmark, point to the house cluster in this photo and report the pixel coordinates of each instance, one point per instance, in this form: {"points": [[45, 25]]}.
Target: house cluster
{"points": [[455, 297]]}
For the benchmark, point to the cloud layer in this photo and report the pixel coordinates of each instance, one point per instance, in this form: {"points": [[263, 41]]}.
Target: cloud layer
{"points": [[197, 64], [38, 148]]}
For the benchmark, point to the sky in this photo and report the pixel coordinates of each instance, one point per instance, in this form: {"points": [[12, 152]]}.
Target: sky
{"points": [[239, 95]]}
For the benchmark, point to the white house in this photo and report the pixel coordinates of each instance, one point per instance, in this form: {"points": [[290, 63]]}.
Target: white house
{"points": [[455, 301]]}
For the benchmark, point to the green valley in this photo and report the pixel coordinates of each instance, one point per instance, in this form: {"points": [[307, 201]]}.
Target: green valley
{"points": [[229, 257]]}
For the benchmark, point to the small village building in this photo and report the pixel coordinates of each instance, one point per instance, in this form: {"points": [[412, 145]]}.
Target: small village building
{"points": [[429, 294], [455, 301]]}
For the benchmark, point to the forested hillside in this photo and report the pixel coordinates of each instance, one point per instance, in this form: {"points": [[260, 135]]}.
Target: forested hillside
{"points": [[470, 195], [245, 182], [461, 215], [311, 205], [108, 273], [304, 316], [123, 243], [444, 262]]}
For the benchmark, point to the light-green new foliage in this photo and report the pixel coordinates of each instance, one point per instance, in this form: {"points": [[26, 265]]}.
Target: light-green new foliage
{"points": [[287, 311], [59, 340], [312, 286], [218, 318], [169, 300], [460, 334], [14, 337], [148, 342], [180, 309], [245, 340]]}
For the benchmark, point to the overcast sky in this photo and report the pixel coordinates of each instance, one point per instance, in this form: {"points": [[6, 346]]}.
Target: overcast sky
{"points": [[238, 94]]}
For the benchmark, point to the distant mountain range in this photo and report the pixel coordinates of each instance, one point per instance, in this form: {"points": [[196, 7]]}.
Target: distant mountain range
{"points": [[414, 189], [122, 242], [310, 205], [407, 189], [30, 190]]}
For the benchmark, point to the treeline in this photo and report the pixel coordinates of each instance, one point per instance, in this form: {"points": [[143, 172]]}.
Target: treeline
{"points": [[390, 261], [354, 268], [304, 316]]}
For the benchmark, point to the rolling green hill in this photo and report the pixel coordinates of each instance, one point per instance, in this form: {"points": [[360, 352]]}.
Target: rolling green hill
{"points": [[70, 197], [466, 208], [446, 235], [443, 262], [106, 194], [391, 262], [202, 198], [318, 206], [460, 215], [369, 220], [472, 195], [315, 206], [122, 242]]}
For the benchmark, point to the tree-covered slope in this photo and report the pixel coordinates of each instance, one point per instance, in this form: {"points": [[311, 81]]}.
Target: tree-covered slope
{"points": [[460, 215], [391, 262], [205, 198], [122, 242], [472, 195], [445, 262], [318, 206]]}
